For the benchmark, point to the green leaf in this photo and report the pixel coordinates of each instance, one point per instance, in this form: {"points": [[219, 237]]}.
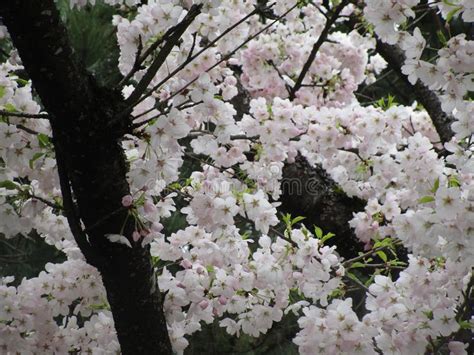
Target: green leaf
{"points": [[22, 82], [450, 3], [36, 156], [2, 91], [246, 235], [352, 276], [10, 108], [357, 264], [297, 219], [43, 140], [451, 13], [286, 219], [441, 37], [426, 199], [453, 181], [382, 256], [269, 109], [9, 185], [465, 324], [370, 280], [318, 231], [386, 242], [327, 237], [435, 186]]}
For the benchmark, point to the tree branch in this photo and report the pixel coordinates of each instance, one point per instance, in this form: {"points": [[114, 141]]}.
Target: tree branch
{"points": [[322, 38], [23, 114], [191, 58], [163, 54], [71, 213], [231, 53]]}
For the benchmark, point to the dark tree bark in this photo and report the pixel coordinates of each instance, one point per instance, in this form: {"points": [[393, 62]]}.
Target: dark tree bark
{"points": [[92, 169], [319, 199]]}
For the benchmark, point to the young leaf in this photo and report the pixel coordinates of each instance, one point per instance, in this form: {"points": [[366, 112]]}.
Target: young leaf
{"points": [[297, 219], [43, 140], [382, 256], [9, 185], [357, 264], [451, 13], [426, 199], [318, 231], [327, 237]]}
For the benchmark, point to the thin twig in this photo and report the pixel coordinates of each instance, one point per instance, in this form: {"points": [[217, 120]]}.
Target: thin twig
{"points": [[54, 205], [322, 38], [226, 57], [163, 54], [26, 129], [356, 282], [190, 59], [287, 86], [24, 114], [349, 262]]}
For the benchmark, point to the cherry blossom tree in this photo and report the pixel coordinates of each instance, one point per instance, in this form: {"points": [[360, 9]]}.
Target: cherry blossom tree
{"points": [[248, 119]]}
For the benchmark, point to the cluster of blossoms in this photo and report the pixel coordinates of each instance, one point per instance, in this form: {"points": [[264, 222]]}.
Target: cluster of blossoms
{"points": [[401, 318], [230, 263], [335, 329], [63, 309], [420, 305], [451, 74], [271, 63], [248, 289]]}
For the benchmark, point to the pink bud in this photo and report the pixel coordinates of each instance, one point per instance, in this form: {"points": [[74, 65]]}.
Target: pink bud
{"points": [[136, 236], [186, 264], [127, 201], [222, 300], [156, 227], [144, 232], [203, 304], [149, 207], [200, 270]]}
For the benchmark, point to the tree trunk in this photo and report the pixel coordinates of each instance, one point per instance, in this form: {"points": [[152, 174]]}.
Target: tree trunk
{"points": [[87, 128]]}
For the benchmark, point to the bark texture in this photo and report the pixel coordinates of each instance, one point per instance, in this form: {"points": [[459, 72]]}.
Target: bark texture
{"points": [[92, 169], [309, 191]]}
